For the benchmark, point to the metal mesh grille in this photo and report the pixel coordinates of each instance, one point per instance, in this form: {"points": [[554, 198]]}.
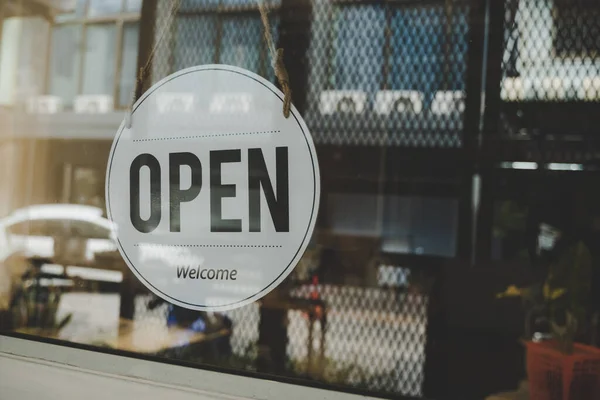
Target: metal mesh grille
{"points": [[387, 74], [380, 74], [374, 338], [214, 32], [245, 329], [551, 51], [367, 338]]}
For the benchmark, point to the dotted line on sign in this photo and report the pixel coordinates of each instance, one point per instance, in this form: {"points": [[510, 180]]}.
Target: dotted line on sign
{"points": [[204, 136], [207, 245]]}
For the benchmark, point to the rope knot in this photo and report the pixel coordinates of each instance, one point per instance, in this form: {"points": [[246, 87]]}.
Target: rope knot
{"points": [[284, 81], [276, 60]]}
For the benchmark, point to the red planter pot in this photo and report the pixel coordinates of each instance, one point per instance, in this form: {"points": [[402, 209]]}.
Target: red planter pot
{"points": [[557, 376]]}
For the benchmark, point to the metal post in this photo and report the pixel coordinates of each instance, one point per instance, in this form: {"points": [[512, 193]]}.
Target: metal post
{"points": [[491, 116], [145, 45], [295, 18]]}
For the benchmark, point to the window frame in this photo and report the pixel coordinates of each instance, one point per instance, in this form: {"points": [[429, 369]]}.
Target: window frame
{"points": [[389, 7], [177, 378], [221, 12], [119, 19]]}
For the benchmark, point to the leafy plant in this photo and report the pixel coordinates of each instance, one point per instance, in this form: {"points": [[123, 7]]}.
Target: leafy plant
{"points": [[564, 294], [509, 216]]}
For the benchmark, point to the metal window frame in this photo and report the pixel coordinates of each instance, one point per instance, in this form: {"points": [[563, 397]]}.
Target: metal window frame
{"points": [[223, 11], [119, 19], [102, 368], [388, 6]]}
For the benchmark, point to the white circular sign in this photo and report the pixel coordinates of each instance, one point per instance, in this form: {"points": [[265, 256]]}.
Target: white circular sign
{"points": [[213, 191]]}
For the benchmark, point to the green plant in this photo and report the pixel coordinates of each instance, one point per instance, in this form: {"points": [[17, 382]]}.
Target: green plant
{"points": [[563, 294], [509, 216], [567, 290]]}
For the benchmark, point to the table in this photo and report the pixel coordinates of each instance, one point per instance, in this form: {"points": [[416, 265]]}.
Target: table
{"points": [[133, 337]]}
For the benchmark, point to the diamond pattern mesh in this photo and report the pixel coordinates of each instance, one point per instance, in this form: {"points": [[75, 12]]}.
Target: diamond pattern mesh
{"points": [[550, 83], [214, 32], [367, 338], [374, 336], [390, 74], [380, 74], [551, 51], [387, 73]]}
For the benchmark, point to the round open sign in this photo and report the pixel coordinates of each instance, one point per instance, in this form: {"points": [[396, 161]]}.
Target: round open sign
{"points": [[213, 191]]}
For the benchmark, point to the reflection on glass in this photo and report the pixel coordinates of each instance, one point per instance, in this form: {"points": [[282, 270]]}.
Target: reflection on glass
{"points": [[240, 42], [168, 103], [242, 47], [99, 59], [129, 63], [104, 7], [358, 46], [133, 5], [362, 309], [70, 9], [417, 225], [65, 62], [85, 186], [231, 103], [200, 51]]}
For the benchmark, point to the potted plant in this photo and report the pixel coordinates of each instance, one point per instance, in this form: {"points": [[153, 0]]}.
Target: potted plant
{"points": [[561, 367]]}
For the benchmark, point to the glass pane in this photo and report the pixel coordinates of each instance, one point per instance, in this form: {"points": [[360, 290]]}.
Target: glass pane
{"points": [[86, 186], [129, 65], [202, 50], [434, 199], [51, 227], [242, 43], [65, 62], [406, 58], [358, 47], [133, 5], [405, 225], [69, 9], [37, 228], [99, 8], [99, 60], [198, 5]]}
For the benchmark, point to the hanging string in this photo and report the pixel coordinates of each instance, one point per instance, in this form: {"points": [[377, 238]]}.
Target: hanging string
{"points": [[143, 72], [276, 60]]}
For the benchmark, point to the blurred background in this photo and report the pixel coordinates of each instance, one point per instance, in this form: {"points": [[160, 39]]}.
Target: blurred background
{"points": [[459, 149]]}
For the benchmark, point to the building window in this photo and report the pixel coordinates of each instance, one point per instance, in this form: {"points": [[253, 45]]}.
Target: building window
{"points": [[388, 45], [227, 34], [576, 28], [128, 62], [357, 48], [99, 55], [98, 8], [66, 61], [94, 52]]}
